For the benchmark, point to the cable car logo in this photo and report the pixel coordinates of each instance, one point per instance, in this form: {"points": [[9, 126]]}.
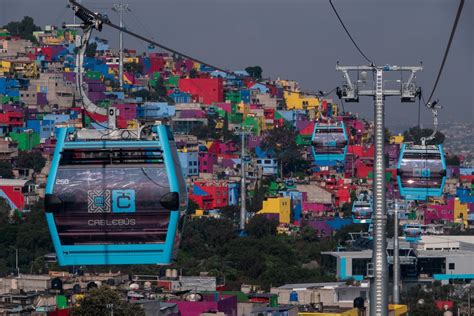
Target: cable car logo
{"points": [[98, 201], [111, 201]]}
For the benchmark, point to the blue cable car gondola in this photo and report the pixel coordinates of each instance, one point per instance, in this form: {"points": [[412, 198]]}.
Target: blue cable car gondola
{"points": [[421, 171], [115, 200], [412, 232], [329, 143], [362, 212]]}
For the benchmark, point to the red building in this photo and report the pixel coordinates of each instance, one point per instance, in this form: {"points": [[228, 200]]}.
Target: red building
{"points": [[18, 193], [210, 195], [12, 119], [203, 90]]}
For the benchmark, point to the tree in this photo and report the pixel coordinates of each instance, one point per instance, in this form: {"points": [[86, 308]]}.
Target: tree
{"points": [[254, 72], [91, 49], [260, 226], [143, 93], [415, 134], [6, 170], [4, 212], [102, 301], [282, 142], [256, 203], [24, 29], [226, 134], [193, 73], [134, 68], [31, 160], [453, 160]]}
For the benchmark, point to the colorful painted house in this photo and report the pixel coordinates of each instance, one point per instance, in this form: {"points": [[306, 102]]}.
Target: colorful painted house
{"points": [[278, 205], [203, 90], [18, 193], [189, 161], [26, 140], [210, 195], [207, 161]]}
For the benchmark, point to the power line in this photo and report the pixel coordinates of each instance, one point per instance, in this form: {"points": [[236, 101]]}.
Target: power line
{"points": [[453, 31], [349, 34], [174, 51]]}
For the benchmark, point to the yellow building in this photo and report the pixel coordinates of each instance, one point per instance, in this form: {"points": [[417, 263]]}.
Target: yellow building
{"points": [[393, 310], [333, 312], [298, 101], [397, 309], [396, 139], [5, 66], [460, 212], [278, 205], [206, 213]]}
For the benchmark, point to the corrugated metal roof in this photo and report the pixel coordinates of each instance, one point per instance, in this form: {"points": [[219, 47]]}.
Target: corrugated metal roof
{"points": [[13, 182]]}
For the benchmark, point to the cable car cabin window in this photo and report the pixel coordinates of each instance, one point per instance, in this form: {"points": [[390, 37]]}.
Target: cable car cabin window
{"points": [[419, 172], [111, 197], [329, 140]]}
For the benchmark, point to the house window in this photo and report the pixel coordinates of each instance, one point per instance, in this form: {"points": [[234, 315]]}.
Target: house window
{"points": [[451, 266]]}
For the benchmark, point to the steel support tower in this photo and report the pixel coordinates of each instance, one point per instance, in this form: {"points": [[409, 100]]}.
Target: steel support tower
{"points": [[121, 8], [396, 258], [351, 91], [243, 184]]}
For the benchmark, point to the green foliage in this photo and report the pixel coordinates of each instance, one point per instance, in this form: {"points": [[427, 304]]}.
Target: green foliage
{"points": [[192, 206], [193, 73], [263, 257], [282, 141], [421, 299], [259, 226], [102, 301], [415, 134], [91, 49], [31, 159], [232, 213], [4, 212], [347, 209], [343, 234], [134, 68], [208, 131], [254, 72], [143, 93], [453, 160], [24, 29], [29, 235], [256, 203], [6, 170]]}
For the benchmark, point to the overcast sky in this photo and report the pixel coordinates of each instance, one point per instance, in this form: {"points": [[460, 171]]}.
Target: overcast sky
{"points": [[302, 40]]}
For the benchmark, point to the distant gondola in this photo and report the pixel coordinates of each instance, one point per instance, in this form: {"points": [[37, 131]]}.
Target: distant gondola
{"points": [[412, 232], [362, 212]]}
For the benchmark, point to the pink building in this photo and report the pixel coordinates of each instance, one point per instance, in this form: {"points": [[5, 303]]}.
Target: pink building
{"points": [[207, 161], [226, 304], [439, 213]]}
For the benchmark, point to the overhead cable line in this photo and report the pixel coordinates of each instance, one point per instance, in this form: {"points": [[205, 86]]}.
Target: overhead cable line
{"points": [[453, 31], [349, 34], [176, 52]]}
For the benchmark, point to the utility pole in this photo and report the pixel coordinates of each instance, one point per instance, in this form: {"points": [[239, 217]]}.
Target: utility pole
{"points": [[16, 262], [243, 183], [350, 93], [120, 8], [396, 258]]}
